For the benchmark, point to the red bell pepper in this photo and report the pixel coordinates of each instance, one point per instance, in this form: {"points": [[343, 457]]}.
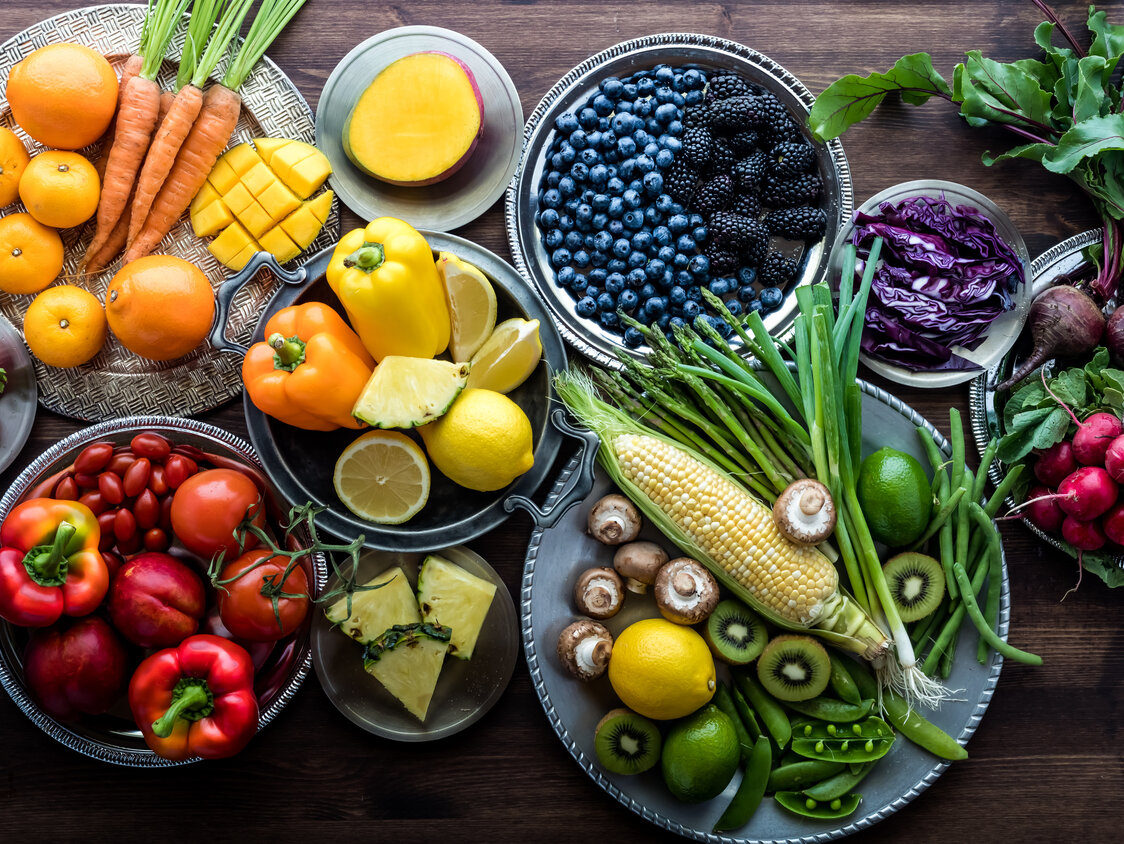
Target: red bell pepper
{"points": [[49, 562], [196, 699]]}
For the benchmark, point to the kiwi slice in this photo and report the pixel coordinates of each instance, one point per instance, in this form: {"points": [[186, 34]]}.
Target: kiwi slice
{"points": [[916, 584], [735, 634], [626, 743], [794, 667]]}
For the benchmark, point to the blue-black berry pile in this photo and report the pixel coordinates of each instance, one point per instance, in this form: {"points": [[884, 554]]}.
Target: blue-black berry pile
{"points": [[672, 180]]}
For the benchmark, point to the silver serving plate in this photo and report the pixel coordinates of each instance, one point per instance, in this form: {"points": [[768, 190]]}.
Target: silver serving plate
{"points": [[118, 383], [685, 49], [555, 557], [114, 737], [17, 401]]}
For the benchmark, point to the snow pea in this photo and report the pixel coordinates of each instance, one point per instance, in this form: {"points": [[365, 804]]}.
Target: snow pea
{"points": [[830, 709], [798, 804], [725, 702], [840, 784], [771, 712], [861, 741], [794, 775], [840, 679], [749, 720], [751, 790]]}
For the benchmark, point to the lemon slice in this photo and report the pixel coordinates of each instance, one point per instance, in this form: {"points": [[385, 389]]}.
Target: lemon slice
{"points": [[472, 305], [405, 392], [508, 357], [382, 477]]}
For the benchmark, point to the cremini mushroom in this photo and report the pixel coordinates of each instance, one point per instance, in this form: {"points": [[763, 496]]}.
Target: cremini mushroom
{"points": [[614, 520], [804, 512], [686, 592], [599, 592], [584, 649], [638, 563]]}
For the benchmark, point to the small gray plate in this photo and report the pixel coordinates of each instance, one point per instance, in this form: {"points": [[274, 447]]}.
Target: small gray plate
{"points": [[17, 402], [466, 194]]}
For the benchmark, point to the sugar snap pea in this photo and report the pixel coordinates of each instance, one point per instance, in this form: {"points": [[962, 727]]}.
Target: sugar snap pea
{"points": [[842, 783], [798, 804], [751, 789], [745, 712], [725, 702], [795, 775], [860, 741], [830, 709], [771, 712], [840, 679], [986, 632]]}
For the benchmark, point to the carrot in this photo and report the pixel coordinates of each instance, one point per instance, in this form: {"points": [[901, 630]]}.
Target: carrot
{"points": [[131, 68], [136, 119], [174, 128], [212, 130]]}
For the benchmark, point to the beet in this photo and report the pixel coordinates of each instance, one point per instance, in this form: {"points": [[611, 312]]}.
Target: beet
{"points": [[1063, 321], [1094, 436], [1083, 535], [1114, 336], [1087, 493], [1055, 464], [1044, 514]]}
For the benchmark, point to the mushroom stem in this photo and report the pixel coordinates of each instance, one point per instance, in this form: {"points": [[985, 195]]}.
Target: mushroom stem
{"points": [[811, 501]]}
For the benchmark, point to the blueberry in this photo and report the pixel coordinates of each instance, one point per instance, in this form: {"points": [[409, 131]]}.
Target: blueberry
{"points": [[579, 284], [661, 236], [611, 157], [565, 222], [645, 87], [579, 171], [602, 241], [616, 265], [588, 194], [642, 240], [593, 291], [568, 154], [599, 201], [611, 87], [655, 307], [589, 157], [571, 205], [652, 216], [677, 295], [584, 213], [574, 240], [585, 307], [746, 276], [608, 140], [615, 228], [587, 118], [699, 233], [642, 138], [678, 100], [633, 338], [755, 305], [578, 140], [771, 298], [630, 90], [671, 140], [626, 146], [566, 122], [609, 319], [642, 107], [666, 254], [628, 166], [636, 184], [622, 248], [598, 259], [666, 279], [678, 223], [636, 278], [594, 139], [696, 220], [693, 79], [557, 163], [622, 123], [614, 283], [637, 259], [647, 291], [685, 244], [723, 327], [653, 184], [616, 207], [602, 105], [734, 307], [746, 293], [663, 73], [663, 322], [691, 309], [680, 262], [598, 276], [652, 149], [694, 292], [665, 113], [676, 208], [548, 218], [633, 219], [632, 199], [567, 186], [645, 164], [565, 276], [700, 265], [624, 106], [607, 302], [654, 269], [692, 98], [600, 220], [615, 186], [581, 259], [719, 286], [665, 96], [552, 198], [628, 299]]}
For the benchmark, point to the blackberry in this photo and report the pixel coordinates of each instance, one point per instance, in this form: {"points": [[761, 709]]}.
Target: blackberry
{"points": [[791, 158], [745, 142], [696, 117], [737, 113], [777, 270], [679, 181], [746, 204], [749, 172], [723, 158], [804, 223], [714, 194], [776, 119], [726, 85], [789, 193], [722, 259], [754, 254], [698, 147], [736, 231]]}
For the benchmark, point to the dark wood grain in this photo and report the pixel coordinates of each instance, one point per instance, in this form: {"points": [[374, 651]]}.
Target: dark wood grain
{"points": [[1045, 763]]}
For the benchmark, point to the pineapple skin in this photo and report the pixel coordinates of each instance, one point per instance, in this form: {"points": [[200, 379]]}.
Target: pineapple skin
{"points": [[407, 660]]}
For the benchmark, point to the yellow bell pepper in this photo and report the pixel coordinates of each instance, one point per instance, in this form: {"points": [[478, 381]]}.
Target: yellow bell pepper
{"points": [[386, 279]]}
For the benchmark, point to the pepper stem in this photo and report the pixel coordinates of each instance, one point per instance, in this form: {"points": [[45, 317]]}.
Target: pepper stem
{"points": [[47, 564], [191, 700], [288, 352], [368, 257]]}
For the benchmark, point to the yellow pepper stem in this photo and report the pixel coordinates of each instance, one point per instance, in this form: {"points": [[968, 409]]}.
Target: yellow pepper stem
{"points": [[368, 257]]}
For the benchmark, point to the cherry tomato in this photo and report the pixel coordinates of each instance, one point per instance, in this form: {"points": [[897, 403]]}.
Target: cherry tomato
{"points": [[208, 506], [136, 477], [247, 613], [156, 481], [124, 525], [85, 481], [95, 502], [147, 509], [178, 469], [120, 463], [106, 522], [66, 489], [150, 445], [93, 458], [156, 540]]}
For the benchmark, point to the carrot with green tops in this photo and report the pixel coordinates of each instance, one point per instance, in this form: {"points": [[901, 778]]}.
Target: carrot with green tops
{"points": [[196, 65], [212, 129], [136, 119]]}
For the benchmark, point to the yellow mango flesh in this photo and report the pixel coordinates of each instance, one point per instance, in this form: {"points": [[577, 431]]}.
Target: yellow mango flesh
{"points": [[417, 122]]}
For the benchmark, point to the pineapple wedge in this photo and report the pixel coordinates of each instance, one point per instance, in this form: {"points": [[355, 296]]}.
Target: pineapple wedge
{"points": [[454, 598], [407, 660], [374, 611], [405, 392]]}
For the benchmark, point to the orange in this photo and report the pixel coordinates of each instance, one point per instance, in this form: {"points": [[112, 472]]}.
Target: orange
{"points": [[31, 254], [63, 95], [13, 159], [64, 326], [160, 307], [60, 189]]}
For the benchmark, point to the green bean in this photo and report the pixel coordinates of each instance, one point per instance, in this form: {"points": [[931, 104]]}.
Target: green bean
{"points": [[941, 518], [798, 804], [725, 702], [771, 712], [994, 575], [936, 459], [840, 784], [922, 628], [985, 463], [829, 709], [751, 790], [793, 775], [952, 626], [948, 554], [957, 440], [991, 508], [963, 522], [840, 678], [986, 632], [749, 720], [944, 666]]}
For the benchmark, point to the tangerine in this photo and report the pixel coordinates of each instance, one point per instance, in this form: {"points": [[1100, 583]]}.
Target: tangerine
{"points": [[64, 326], [13, 160], [31, 254], [63, 95], [60, 189], [160, 306]]}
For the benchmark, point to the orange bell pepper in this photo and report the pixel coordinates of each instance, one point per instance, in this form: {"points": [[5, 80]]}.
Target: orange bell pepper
{"points": [[310, 369]]}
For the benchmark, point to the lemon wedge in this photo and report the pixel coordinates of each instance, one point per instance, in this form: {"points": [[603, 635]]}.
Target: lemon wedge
{"points": [[382, 477], [508, 357], [472, 305]]}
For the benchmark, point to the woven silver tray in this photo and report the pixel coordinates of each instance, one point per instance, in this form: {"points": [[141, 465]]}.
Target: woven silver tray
{"points": [[116, 382]]}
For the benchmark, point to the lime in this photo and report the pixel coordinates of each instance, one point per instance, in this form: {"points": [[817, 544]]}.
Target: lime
{"points": [[700, 755], [661, 670], [895, 497], [472, 305], [508, 357], [382, 477]]}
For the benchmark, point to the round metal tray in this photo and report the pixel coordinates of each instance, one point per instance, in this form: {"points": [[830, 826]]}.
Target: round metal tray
{"points": [[113, 737], [521, 204], [17, 401], [557, 555], [116, 382]]}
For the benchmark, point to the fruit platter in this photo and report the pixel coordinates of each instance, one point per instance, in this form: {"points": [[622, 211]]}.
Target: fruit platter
{"points": [[530, 422]]}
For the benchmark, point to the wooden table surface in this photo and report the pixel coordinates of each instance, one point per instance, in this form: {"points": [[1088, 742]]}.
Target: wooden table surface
{"points": [[1046, 763]]}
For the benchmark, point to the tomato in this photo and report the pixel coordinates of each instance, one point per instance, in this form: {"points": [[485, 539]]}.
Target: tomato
{"points": [[208, 506], [248, 613]]}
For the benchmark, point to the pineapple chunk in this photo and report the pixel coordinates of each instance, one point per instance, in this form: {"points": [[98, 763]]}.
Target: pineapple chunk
{"points": [[407, 660], [452, 597], [374, 611]]}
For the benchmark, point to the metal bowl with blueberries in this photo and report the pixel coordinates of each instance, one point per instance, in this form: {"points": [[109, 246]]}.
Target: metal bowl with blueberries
{"points": [[663, 166]]}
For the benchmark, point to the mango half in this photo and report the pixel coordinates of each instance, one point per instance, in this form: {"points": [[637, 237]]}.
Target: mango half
{"points": [[256, 200], [418, 121]]}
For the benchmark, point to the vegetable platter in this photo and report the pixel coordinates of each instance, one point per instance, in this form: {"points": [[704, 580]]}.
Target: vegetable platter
{"points": [[117, 383]]}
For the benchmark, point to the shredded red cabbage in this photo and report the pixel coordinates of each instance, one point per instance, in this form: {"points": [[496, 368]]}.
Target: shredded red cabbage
{"points": [[944, 276]]}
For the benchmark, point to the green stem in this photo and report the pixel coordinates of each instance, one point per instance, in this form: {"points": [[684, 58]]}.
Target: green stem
{"points": [[191, 700], [989, 635], [368, 257], [288, 352], [271, 18], [47, 565]]}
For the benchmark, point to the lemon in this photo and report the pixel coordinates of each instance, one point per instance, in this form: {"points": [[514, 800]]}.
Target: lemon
{"points": [[483, 441], [382, 477], [508, 357], [472, 305], [895, 496], [661, 670], [700, 755], [405, 392]]}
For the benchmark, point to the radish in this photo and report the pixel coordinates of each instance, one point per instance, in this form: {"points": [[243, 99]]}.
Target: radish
{"points": [[1112, 523], [1087, 493], [1083, 535], [1114, 459], [1063, 321], [1094, 436], [1042, 509], [1054, 464]]}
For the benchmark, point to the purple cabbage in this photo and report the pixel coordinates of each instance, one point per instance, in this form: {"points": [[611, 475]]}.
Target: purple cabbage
{"points": [[944, 276]]}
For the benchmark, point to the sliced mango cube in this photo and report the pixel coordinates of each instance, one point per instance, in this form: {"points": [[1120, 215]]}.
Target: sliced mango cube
{"points": [[266, 147], [238, 198], [242, 157], [211, 218], [230, 242], [278, 201], [302, 167], [280, 245], [242, 258], [259, 178], [222, 176], [255, 218], [321, 207]]}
